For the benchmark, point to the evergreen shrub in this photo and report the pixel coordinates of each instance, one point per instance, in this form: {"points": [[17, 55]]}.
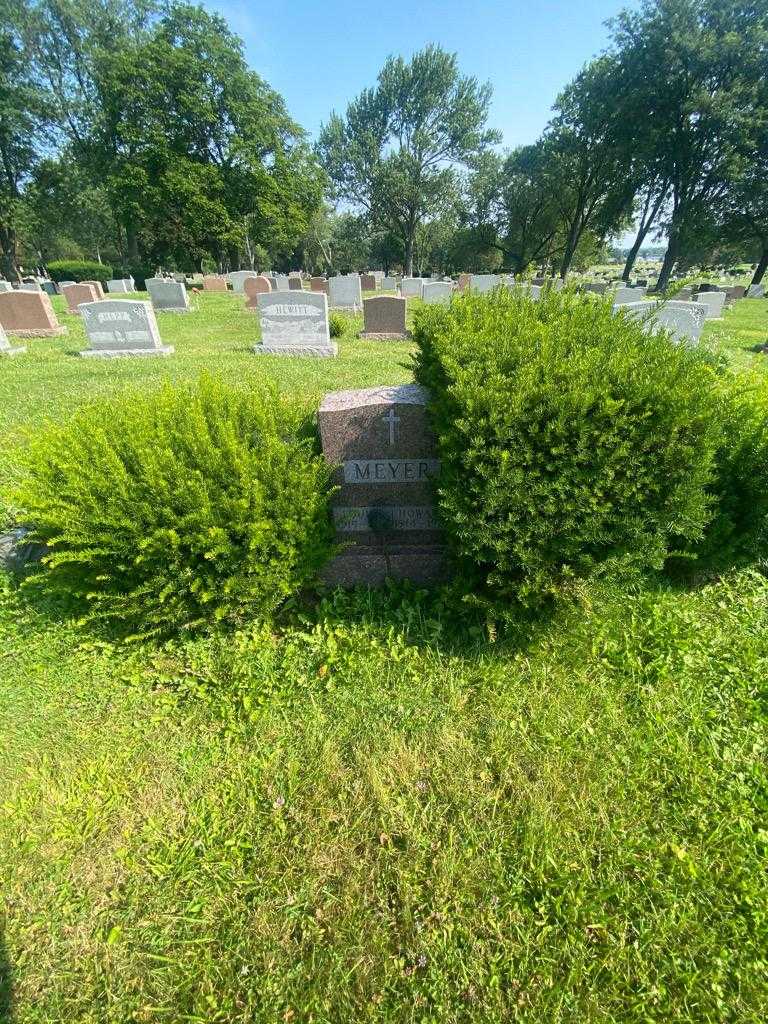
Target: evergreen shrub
{"points": [[79, 270]]}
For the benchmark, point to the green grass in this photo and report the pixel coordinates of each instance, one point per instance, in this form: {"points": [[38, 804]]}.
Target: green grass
{"points": [[376, 814]]}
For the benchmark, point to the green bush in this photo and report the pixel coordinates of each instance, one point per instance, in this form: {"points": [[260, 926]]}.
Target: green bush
{"points": [[337, 324], [573, 443], [170, 511], [79, 270]]}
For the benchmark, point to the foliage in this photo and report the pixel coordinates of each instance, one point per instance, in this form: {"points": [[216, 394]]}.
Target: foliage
{"points": [[573, 444], [79, 270], [177, 510], [394, 155], [337, 323]]}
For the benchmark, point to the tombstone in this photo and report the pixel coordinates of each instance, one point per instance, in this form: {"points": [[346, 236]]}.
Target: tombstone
{"points": [[684, 320], [5, 286], [345, 292], [295, 283], [6, 349], [435, 292], [379, 275], [595, 287], [97, 287], [380, 440], [464, 282], [384, 317], [30, 286], [484, 282], [49, 287], [180, 278], [539, 281], [389, 284], [734, 292], [714, 301], [121, 327], [282, 283], [624, 295], [214, 283], [254, 287], [294, 325], [167, 295], [318, 284], [756, 291], [119, 286], [238, 278], [75, 294], [412, 287], [368, 282], [29, 314]]}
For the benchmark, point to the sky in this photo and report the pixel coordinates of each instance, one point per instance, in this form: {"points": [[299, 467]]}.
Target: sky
{"points": [[319, 55]]}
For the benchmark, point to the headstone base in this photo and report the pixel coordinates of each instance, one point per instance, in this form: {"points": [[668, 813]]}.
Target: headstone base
{"points": [[373, 336], [40, 332], [297, 350], [178, 309], [373, 566], [93, 353], [17, 350]]}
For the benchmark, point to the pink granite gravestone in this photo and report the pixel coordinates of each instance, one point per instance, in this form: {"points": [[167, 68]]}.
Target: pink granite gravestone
{"points": [[368, 282], [77, 293], [253, 288], [29, 314], [214, 283], [319, 284]]}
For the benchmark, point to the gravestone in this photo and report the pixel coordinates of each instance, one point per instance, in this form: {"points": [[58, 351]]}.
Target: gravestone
{"points": [[6, 349], [281, 283], [29, 314], [756, 291], [684, 320], [5, 286], [167, 295], [344, 291], [437, 292], [77, 293], [30, 286], [238, 278], [484, 282], [49, 287], [389, 284], [412, 287], [318, 284], [368, 282], [254, 287], [295, 284], [596, 287], [214, 283], [714, 301], [734, 292], [121, 327], [379, 275], [97, 287], [294, 325], [464, 282], [384, 317], [386, 456], [119, 286], [624, 295]]}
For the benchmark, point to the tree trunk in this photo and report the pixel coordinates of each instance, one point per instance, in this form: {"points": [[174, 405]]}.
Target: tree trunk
{"points": [[670, 259], [409, 255], [570, 247], [132, 243], [8, 254], [646, 222], [762, 265]]}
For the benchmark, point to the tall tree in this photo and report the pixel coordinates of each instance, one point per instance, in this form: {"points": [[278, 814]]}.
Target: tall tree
{"points": [[695, 68], [395, 155]]}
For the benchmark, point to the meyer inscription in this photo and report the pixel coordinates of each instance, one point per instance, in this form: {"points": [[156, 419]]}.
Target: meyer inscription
{"points": [[388, 471]]}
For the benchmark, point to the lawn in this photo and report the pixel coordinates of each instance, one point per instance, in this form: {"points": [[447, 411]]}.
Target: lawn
{"points": [[378, 812]]}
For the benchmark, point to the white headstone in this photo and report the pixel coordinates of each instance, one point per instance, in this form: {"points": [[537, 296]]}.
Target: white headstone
{"points": [[121, 327], [412, 287], [294, 323], [714, 301], [281, 283], [684, 320], [624, 295], [6, 286], [6, 349], [120, 285], [238, 277], [756, 291], [167, 295], [484, 282], [437, 292], [345, 291], [388, 284]]}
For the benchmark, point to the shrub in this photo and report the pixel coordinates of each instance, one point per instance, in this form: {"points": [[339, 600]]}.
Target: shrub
{"points": [[573, 443], [337, 324], [79, 270], [168, 511]]}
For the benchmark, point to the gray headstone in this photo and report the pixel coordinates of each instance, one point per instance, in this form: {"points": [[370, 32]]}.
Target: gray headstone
{"points": [[384, 317], [49, 287], [345, 292], [121, 327], [714, 301], [238, 277], [624, 295], [684, 320], [6, 286], [294, 324], [412, 287], [388, 284], [484, 282], [756, 291], [167, 295], [437, 292], [282, 283], [6, 349], [380, 440], [30, 286], [118, 286]]}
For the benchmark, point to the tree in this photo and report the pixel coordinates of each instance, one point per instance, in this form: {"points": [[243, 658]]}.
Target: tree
{"points": [[395, 154], [744, 217], [695, 69], [24, 129]]}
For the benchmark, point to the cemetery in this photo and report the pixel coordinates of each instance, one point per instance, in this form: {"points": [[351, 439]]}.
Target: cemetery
{"points": [[415, 670]]}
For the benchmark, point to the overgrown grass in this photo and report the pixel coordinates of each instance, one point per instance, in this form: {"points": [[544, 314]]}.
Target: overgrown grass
{"points": [[375, 813]]}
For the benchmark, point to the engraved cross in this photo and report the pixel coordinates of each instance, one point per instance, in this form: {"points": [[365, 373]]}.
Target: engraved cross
{"points": [[391, 419]]}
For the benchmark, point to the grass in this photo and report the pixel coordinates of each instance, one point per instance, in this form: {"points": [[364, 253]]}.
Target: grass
{"points": [[376, 814]]}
